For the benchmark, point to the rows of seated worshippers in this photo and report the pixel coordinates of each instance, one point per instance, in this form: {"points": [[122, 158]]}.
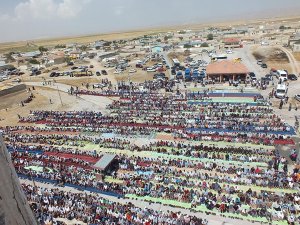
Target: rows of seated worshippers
{"points": [[228, 153], [161, 113], [51, 204], [276, 167], [200, 182], [214, 184], [64, 139], [221, 187]]}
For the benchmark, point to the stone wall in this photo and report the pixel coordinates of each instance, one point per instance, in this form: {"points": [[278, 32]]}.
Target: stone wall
{"points": [[14, 208], [7, 91]]}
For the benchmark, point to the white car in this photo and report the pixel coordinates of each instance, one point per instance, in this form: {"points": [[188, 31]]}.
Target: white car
{"points": [[117, 71], [132, 70], [99, 85], [229, 51], [297, 97], [150, 69]]}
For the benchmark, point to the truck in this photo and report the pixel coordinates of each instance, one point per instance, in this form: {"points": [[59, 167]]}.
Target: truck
{"points": [[280, 91], [179, 75], [282, 75]]}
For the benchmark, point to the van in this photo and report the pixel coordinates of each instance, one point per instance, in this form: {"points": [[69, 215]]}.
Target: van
{"points": [[282, 75], [280, 91]]}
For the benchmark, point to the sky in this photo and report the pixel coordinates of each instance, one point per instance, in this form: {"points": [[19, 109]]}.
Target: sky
{"points": [[35, 19]]}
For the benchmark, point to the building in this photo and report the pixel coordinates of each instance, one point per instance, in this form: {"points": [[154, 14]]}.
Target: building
{"points": [[232, 43], [296, 47], [226, 70]]}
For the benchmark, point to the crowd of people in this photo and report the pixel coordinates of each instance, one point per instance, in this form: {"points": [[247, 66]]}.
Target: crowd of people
{"points": [[49, 204], [251, 179]]}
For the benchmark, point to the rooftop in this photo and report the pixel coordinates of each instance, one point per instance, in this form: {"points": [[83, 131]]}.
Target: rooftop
{"points": [[226, 67], [231, 40]]}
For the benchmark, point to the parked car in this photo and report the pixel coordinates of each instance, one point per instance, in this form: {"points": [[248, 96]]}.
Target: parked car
{"points": [[99, 85], [235, 83], [264, 65], [292, 77], [117, 71], [91, 66], [259, 62], [132, 71], [98, 73], [297, 97], [17, 80]]}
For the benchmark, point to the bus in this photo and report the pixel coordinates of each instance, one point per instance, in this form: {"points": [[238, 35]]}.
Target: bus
{"points": [[176, 62]]}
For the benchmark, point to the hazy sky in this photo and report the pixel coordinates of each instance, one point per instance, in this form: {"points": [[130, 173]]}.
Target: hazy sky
{"points": [[30, 19]]}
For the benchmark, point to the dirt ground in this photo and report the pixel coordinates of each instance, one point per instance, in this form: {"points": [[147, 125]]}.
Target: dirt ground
{"points": [[273, 57], [297, 56], [176, 55], [12, 100]]}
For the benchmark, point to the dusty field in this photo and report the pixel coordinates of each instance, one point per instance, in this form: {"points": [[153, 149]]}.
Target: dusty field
{"points": [[12, 100], [297, 56], [180, 56], [79, 81], [139, 76], [273, 57], [33, 45]]}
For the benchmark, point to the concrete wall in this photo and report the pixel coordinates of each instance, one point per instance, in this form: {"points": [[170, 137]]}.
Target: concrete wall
{"points": [[20, 87], [14, 208]]}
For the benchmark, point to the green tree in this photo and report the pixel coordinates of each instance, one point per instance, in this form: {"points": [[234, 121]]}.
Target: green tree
{"points": [[281, 27], [204, 44], [60, 46], [83, 47], [187, 46], [9, 57], [43, 49], [33, 61], [210, 37]]}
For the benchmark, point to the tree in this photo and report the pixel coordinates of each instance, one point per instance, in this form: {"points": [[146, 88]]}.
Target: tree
{"points": [[9, 57], [158, 40], [60, 46], [204, 44], [210, 37], [83, 47], [181, 38], [166, 38], [43, 49], [33, 61], [187, 46], [281, 27]]}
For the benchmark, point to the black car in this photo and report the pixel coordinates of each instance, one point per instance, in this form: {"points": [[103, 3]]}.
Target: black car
{"points": [[173, 72], [103, 72], [53, 74], [264, 65], [98, 73], [292, 77], [251, 74]]}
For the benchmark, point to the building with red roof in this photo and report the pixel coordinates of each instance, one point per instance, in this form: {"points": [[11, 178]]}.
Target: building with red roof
{"points": [[226, 70], [232, 43]]}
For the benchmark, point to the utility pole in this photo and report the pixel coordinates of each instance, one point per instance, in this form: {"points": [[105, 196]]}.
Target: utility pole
{"points": [[59, 95], [130, 97]]}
